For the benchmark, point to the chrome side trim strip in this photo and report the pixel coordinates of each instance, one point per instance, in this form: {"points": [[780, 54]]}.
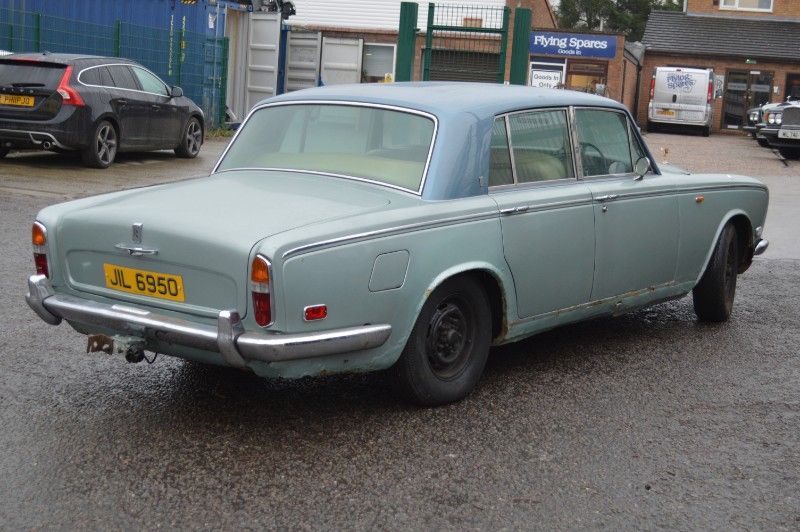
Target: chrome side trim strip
{"points": [[390, 231], [131, 65], [350, 103], [227, 337], [538, 207]]}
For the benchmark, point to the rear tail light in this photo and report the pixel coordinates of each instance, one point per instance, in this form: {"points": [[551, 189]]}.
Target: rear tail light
{"points": [[260, 280], [652, 87], [710, 92], [315, 312], [39, 241], [69, 94]]}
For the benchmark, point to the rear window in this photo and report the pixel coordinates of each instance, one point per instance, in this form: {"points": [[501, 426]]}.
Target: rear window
{"points": [[30, 74]]}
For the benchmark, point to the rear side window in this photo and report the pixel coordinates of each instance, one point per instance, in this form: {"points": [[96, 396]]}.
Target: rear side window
{"points": [[123, 77], [30, 74], [149, 82], [97, 76], [541, 147], [500, 157]]}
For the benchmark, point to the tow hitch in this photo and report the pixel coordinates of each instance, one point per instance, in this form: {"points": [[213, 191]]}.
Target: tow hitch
{"points": [[130, 346]]}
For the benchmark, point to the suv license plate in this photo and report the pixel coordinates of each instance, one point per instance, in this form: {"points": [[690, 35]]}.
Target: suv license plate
{"points": [[12, 99], [789, 134], [143, 282]]}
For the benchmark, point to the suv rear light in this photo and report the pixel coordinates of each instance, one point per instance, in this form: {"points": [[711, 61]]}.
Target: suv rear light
{"points": [[260, 281], [652, 87], [39, 241], [69, 94]]}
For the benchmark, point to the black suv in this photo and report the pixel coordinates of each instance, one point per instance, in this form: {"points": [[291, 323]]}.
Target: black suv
{"points": [[96, 105]]}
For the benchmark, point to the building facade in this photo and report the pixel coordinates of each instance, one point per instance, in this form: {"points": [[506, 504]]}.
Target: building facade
{"points": [[753, 47]]}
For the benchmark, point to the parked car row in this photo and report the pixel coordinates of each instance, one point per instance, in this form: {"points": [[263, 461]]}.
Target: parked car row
{"points": [[777, 126], [98, 106]]}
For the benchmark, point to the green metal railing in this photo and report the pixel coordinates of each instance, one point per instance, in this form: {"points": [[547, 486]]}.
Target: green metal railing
{"points": [[195, 62], [465, 43]]}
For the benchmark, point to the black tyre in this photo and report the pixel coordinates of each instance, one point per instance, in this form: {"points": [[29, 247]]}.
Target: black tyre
{"points": [[706, 131], [3, 152], [447, 350], [713, 296], [789, 153], [191, 140], [762, 142], [102, 149]]}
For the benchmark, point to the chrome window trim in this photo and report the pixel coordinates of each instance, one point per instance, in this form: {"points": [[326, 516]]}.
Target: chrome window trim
{"points": [[584, 177], [121, 88], [349, 103], [506, 116]]}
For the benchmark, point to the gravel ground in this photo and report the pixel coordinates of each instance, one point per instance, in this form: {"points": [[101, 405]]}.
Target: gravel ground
{"points": [[645, 421]]}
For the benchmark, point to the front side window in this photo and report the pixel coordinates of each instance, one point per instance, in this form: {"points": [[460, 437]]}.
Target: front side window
{"points": [[604, 145], [382, 145], [757, 5], [541, 147], [150, 82]]}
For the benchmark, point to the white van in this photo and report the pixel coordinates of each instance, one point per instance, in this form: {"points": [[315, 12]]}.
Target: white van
{"points": [[682, 96]]}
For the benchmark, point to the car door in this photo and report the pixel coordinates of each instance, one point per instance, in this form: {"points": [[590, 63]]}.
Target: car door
{"points": [[165, 122], [132, 107], [547, 217], [636, 219]]}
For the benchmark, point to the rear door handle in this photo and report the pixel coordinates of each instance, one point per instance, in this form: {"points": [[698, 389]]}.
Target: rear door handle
{"points": [[122, 102], [607, 197], [515, 210], [155, 107]]}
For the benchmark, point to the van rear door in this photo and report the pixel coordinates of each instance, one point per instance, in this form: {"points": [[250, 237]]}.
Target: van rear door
{"points": [[681, 95]]}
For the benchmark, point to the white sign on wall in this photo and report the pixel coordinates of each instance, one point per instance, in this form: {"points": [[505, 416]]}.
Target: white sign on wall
{"points": [[546, 79]]}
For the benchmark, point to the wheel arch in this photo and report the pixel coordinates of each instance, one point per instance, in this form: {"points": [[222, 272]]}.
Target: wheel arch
{"points": [[490, 279], [744, 236]]}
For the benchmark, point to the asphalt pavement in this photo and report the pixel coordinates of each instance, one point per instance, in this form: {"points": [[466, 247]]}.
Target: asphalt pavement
{"points": [[649, 420]]}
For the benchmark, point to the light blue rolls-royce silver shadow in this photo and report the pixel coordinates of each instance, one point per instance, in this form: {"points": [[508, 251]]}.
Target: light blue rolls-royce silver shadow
{"points": [[399, 226]]}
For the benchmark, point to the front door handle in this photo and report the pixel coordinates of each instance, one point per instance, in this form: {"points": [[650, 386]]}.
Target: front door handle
{"points": [[155, 107], [607, 197]]}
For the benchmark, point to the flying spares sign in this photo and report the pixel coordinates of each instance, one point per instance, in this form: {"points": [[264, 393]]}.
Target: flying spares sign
{"points": [[573, 44]]}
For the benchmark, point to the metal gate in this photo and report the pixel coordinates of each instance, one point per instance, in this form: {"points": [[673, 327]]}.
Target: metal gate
{"points": [[263, 56], [302, 60], [465, 43]]}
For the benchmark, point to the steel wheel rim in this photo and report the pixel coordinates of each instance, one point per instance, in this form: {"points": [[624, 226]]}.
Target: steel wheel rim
{"points": [[450, 338], [106, 147], [193, 137]]}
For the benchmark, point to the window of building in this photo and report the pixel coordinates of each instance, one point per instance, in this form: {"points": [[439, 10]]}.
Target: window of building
{"points": [[377, 64], [747, 5], [587, 76]]}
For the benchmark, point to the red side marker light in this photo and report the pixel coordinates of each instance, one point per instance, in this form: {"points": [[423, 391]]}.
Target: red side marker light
{"points": [[315, 312]]}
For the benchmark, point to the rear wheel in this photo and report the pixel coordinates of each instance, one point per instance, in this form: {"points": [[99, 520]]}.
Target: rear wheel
{"points": [[706, 131], [789, 153], [102, 149], [3, 152], [713, 296], [191, 140], [448, 347]]}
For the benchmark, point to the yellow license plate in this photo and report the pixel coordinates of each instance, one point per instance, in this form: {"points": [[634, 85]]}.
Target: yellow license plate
{"points": [[665, 112], [12, 99], [143, 282]]}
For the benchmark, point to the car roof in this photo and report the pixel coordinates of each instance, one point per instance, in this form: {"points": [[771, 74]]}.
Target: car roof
{"points": [[484, 100], [64, 58]]}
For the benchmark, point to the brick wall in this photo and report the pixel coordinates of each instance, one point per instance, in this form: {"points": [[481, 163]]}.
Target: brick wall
{"points": [[542, 15], [721, 65], [780, 8], [629, 71]]}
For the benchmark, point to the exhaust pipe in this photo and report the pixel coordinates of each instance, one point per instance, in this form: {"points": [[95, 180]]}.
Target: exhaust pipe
{"points": [[47, 144]]}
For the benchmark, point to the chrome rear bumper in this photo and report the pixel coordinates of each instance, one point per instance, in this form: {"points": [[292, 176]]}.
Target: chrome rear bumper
{"points": [[761, 247], [228, 337]]}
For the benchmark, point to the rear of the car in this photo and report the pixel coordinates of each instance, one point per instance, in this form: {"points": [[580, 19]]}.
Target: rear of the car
{"points": [[40, 105], [682, 96]]}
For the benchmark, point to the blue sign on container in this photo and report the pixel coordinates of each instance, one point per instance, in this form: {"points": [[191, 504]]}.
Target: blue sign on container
{"points": [[573, 44]]}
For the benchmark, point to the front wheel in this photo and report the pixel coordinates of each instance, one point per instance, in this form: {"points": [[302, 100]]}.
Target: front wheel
{"points": [[762, 142], [713, 295], [448, 347], [191, 140], [102, 149]]}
